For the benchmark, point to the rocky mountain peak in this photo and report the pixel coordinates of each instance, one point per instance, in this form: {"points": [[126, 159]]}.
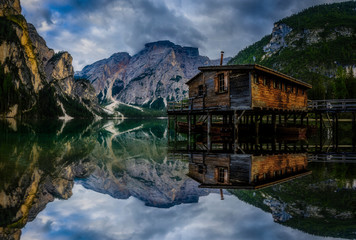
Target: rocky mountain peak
{"points": [[10, 7], [188, 51], [160, 44], [120, 56]]}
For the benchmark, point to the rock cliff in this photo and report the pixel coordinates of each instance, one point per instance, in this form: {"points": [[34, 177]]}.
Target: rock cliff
{"points": [[150, 78], [36, 81]]}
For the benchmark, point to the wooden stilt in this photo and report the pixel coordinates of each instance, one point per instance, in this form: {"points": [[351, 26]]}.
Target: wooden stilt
{"points": [[354, 132], [274, 124], [236, 130], [337, 131], [321, 131], [189, 120], [209, 130]]}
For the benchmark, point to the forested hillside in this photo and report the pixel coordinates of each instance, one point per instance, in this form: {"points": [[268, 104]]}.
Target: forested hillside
{"points": [[317, 45]]}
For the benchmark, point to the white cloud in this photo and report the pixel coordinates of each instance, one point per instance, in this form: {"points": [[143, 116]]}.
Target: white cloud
{"points": [[126, 25], [91, 215]]}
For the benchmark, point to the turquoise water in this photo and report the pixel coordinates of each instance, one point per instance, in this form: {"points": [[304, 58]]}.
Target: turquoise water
{"points": [[128, 180]]}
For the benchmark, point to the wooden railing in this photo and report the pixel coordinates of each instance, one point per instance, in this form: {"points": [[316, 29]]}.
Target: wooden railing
{"points": [[179, 106], [340, 105], [337, 157]]}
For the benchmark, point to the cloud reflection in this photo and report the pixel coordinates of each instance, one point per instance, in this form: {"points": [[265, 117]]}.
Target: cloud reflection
{"points": [[91, 215]]}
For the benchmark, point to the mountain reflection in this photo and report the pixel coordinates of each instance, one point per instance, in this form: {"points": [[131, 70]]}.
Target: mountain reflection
{"points": [[45, 160], [41, 160]]}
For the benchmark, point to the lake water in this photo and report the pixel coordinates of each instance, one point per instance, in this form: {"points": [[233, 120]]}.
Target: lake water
{"points": [[135, 179]]}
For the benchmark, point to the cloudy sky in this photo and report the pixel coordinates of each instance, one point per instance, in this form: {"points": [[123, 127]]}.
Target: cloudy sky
{"points": [[95, 29], [91, 215]]}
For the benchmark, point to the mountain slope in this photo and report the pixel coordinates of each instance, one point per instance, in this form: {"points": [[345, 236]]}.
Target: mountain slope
{"points": [[34, 80], [316, 45], [150, 78]]}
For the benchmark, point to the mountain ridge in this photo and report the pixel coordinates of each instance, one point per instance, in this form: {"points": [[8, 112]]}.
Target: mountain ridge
{"points": [[149, 78]]}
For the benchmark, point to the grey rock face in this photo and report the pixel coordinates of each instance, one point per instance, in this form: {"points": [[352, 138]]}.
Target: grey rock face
{"points": [[106, 75], [280, 31], [156, 74]]}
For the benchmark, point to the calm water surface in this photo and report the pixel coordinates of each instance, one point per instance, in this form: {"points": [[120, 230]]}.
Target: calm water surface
{"points": [[137, 180]]}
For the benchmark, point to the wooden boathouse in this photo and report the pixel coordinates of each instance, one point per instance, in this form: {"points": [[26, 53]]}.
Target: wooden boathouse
{"points": [[223, 99]]}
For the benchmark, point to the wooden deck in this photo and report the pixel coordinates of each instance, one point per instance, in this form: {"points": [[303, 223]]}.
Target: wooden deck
{"points": [[332, 105]]}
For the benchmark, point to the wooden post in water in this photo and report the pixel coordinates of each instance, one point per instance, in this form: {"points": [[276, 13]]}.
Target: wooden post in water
{"points": [[175, 123], [337, 131], [236, 130], [354, 131], [209, 130], [274, 124], [169, 129], [256, 125], [189, 120], [321, 131]]}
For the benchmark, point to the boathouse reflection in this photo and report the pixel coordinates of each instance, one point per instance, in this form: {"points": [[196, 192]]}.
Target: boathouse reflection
{"points": [[246, 171], [248, 165]]}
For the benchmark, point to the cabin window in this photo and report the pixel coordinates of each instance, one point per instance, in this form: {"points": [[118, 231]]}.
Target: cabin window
{"points": [[291, 89], [255, 78], [200, 169], [264, 81], [221, 82], [221, 175], [200, 90], [275, 84], [296, 91], [303, 91], [286, 87], [280, 86]]}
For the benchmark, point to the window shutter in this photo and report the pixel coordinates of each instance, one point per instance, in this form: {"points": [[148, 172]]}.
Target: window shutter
{"points": [[216, 83], [226, 77]]}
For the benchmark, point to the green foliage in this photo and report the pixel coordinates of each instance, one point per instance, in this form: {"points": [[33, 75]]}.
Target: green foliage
{"points": [[158, 104], [75, 109], [177, 78], [327, 15], [57, 56], [320, 63], [47, 103], [131, 112]]}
